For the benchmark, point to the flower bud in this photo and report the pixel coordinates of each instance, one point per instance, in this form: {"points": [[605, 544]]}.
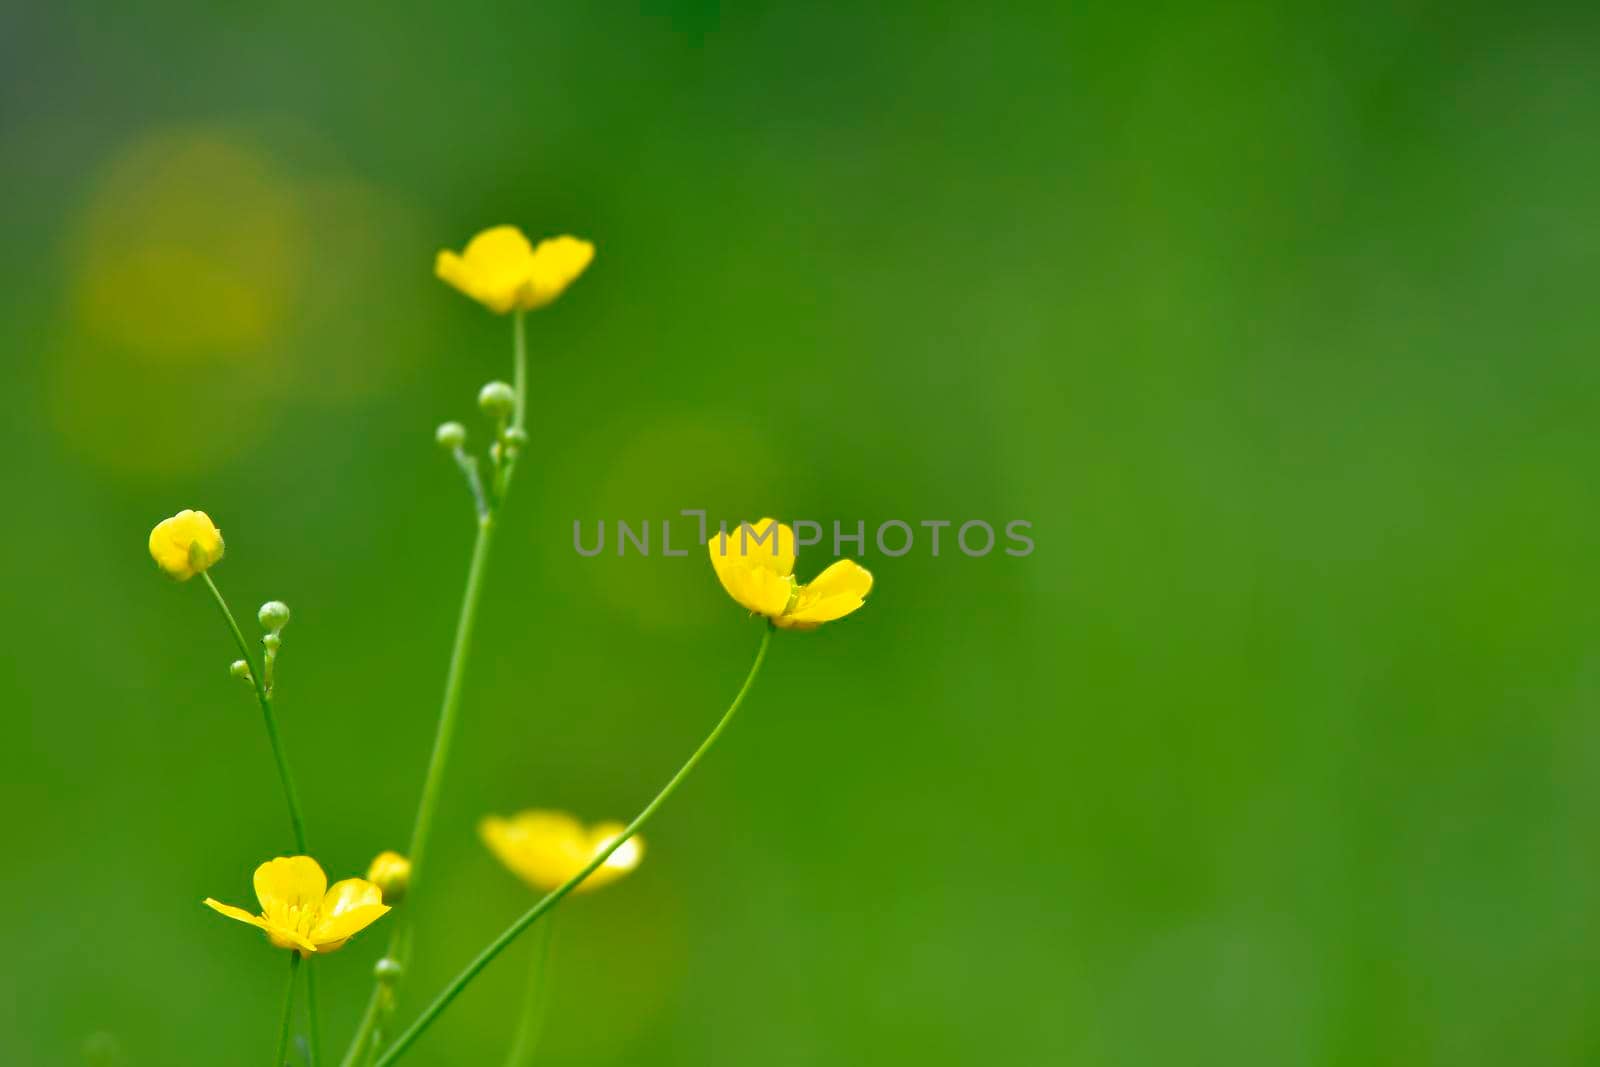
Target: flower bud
{"points": [[239, 669], [274, 615], [451, 435], [272, 642], [391, 873], [516, 437], [497, 399], [387, 970], [185, 544]]}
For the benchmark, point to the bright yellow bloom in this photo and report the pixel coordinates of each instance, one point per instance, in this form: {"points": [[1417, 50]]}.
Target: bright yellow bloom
{"points": [[186, 544], [299, 910], [390, 872], [545, 848], [755, 564], [503, 272]]}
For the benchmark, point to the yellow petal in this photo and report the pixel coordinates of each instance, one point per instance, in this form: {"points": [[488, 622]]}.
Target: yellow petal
{"points": [[833, 594], [499, 250], [452, 270], [619, 863], [348, 907], [762, 548], [235, 913], [290, 884], [186, 544], [557, 262], [280, 938], [755, 564]]}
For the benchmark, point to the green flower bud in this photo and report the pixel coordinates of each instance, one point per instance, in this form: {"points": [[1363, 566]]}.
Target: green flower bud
{"points": [[451, 435], [274, 615], [387, 969], [239, 669], [497, 400]]}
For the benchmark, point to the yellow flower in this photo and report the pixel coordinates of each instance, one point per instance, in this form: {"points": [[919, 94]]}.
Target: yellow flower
{"points": [[390, 872], [503, 272], [299, 910], [545, 848], [186, 544], [755, 564]]}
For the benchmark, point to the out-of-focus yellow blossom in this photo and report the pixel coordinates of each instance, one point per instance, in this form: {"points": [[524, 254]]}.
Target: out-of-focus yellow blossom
{"points": [[503, 272], [545, 848], [755, 564], [186, 544], [300, 911], [390, 872]]}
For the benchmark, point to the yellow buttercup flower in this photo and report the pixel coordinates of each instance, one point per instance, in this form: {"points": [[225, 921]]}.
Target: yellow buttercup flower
{"points": [[503, 272], [186, 544], [545, 848], [755, 564], [300, 911], [390, 872]]}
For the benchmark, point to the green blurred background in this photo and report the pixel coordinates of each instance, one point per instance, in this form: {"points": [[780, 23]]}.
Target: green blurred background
{"points": [[1277, 321]]}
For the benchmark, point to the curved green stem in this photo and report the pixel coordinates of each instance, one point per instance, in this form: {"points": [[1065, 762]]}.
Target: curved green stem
{"points": [[288, 1010], [535, 1000], [257, 678], [551, 899]]}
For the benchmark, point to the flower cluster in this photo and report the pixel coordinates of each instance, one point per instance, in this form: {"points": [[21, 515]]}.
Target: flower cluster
{"points": [[551, 851]]}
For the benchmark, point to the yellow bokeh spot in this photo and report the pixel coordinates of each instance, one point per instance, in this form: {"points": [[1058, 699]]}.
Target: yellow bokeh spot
{"points": [[189, 249]]}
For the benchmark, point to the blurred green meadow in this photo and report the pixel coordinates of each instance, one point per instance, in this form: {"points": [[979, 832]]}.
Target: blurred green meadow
{"points": [[1277, 322]]}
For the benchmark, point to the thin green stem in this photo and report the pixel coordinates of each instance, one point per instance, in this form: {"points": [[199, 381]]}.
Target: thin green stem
{"points": [[383, 998], [288, 1011], [369, 1019], [368, 1034], [449, 711], [519, 355], [313, 1031], [450, 708], [469, 470], [554, 897], [257, 678], [535, 1000]]}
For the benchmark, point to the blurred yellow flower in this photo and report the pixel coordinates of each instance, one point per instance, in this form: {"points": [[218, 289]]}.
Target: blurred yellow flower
{"points": [[755, 564], [186, 544], [545, 848], [503, 272], [390, 872], [300, 911]]}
